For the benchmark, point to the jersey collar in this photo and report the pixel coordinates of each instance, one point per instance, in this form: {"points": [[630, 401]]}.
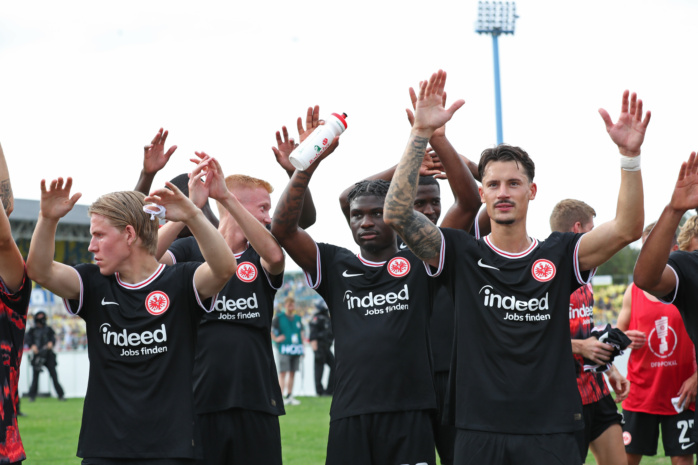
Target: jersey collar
{"points": [[142, 283], [369, 262], [504, 253]]}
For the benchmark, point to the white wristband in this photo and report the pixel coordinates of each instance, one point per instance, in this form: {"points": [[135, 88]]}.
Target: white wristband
{"points": [[154, 210], [630, 163]]}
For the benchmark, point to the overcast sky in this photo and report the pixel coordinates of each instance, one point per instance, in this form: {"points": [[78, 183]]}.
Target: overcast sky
{"points": [[84, 85]]}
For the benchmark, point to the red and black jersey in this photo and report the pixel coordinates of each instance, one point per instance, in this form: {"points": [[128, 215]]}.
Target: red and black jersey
{"points": [[512, 355], [142, 337], [13, 319], [380, 319], [592, 387], [233, 347]]}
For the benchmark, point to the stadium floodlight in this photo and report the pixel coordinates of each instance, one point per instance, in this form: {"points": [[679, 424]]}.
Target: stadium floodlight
{"points": [[496, 18]]}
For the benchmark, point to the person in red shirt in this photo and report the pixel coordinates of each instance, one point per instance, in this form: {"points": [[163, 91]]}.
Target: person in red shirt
{"points": [[662, 371]]}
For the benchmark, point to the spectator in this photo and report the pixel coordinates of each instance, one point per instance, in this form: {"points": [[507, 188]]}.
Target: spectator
{"points": [[41, 339], [321, 339], [287, 332]]}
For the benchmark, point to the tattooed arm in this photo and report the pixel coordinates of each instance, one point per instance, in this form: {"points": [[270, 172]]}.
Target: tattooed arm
{"points": [[8, 200], [420, 234], [285, 222]]}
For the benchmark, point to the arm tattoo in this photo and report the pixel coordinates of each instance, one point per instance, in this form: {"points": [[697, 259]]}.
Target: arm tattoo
{"points": [[6, 193], [420, 234], [288, 210]]}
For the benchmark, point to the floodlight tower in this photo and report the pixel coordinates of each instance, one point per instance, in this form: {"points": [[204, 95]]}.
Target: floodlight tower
{"points": [[496, 18]]}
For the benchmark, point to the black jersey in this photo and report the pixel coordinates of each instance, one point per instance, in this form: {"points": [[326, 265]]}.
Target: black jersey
{"points": [[442, 324], [685, 297], [380, 319], [234, 364], [139, 401], [512, 370]]}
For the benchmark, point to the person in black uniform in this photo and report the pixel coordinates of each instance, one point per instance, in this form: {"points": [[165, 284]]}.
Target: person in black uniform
{"points": [[513, 393], [321, 339], [41, 338], [443, 158], [673, 276], [141, 318]]}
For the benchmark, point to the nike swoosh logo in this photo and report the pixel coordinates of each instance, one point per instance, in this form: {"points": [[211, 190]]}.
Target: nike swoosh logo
{"points": [[104, 302], [686, 446], [482, 265], [347, 275], [403, 246]]}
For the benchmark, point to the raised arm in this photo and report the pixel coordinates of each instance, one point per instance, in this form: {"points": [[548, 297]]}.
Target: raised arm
{"points": [[58, 278], [458, 173], [220, 264], [8, 199], [284, 226], [154, 159], [272, 257], [628, 133], [651, 271], [283, 150], [420, 234], [11, 262]]}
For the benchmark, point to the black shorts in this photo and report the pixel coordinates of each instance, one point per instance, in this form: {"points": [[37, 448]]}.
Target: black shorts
{"points": [[391, 438], [107, 461], [641, 433], [240, 436], [480, 447], [598, 417]]}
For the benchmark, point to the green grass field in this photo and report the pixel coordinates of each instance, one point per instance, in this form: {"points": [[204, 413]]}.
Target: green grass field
{"points": [[50, 432]]}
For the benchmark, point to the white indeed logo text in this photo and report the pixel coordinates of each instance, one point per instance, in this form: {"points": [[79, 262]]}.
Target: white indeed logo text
{"points": [[391, 300], [510, 302], [126, 339], [224, 306], [582, 312]]}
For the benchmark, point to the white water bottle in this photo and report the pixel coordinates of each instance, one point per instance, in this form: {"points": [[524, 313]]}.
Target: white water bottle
{"points": [[315, 145]]}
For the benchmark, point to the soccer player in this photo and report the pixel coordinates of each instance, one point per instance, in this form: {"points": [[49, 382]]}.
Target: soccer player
{"points": [[460, 215], [602, 423], [662, 370], [141, 318], [513, 385], [15, 290], [380, 306], [233, 345]]}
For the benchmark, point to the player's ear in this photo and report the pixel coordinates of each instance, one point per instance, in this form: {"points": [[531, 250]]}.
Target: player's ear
{"points": [[131, 236], [534, 190], [482, 197]]}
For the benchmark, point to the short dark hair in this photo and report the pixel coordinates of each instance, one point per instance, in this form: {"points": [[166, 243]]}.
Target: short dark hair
{"points": [[375, 188], [428, 181], [568, 212], [505, 152]]}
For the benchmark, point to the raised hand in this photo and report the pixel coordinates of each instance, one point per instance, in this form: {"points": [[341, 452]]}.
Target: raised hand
{"points": [[154, 156], [441, 132], [177, 206], [312, 121], [284, 147], [431, 165], [685, 195], [430, 113], [56, 201], [628, 132]]}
